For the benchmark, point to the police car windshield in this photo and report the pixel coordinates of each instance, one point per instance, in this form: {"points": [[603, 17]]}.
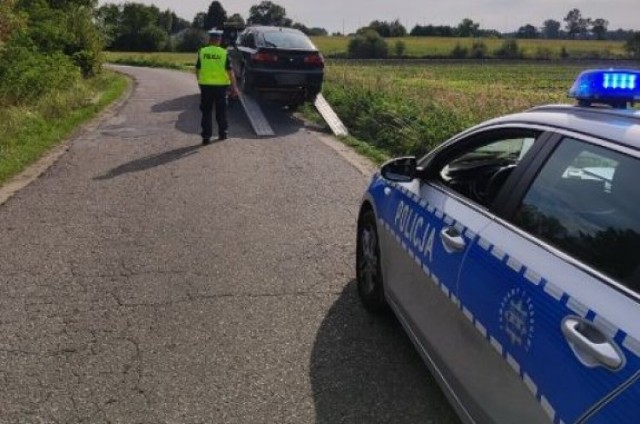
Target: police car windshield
{"points": [[287, 40]]}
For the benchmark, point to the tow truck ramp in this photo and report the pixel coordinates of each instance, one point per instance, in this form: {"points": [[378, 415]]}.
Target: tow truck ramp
{"points": [[256, 117], [330, 116], [261, 125]]}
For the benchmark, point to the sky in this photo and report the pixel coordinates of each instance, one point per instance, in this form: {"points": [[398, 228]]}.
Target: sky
{"points": [[502, 15]]}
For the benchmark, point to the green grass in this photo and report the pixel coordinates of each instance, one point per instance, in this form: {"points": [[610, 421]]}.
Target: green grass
{"points": [[27, 132], [442, 47], [153, 60], [408, 109]]}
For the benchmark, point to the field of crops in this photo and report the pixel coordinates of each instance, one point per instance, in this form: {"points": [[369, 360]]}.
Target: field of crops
{"points": [[404, 108], [442, 47]]}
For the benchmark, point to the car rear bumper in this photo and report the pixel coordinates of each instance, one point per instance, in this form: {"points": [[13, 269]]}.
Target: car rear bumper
{"points": [[287, 83]]}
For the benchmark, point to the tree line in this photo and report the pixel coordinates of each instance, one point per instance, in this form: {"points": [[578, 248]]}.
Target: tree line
{"points": [[575, 27], [139, 27]]}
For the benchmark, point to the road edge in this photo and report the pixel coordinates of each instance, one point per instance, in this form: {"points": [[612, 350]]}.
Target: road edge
{"points": [[32, 172], [361, 163]]}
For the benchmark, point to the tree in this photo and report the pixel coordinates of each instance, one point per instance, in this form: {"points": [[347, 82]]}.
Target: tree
{"points": [[237, 18], [191, 40], [551, 29], [599, 28], [198, 20], [165, 20], [151, 39], [64, 4], [268, 13], [576, 25], [386, 29], [109, 19], [527, 31], [432, 31], [633, 45], [178, 24], [216, 16], [468, 28]]}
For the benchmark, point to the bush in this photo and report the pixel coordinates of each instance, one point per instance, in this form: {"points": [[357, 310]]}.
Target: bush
{"points": [[508, 50], [478, 50], [543, 53], [564, 53], [27, 75], [399, 48], [459, 51], [369, 45]]}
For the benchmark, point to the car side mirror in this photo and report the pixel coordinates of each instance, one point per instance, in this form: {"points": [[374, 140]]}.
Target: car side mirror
{"points": [[400, 170]]}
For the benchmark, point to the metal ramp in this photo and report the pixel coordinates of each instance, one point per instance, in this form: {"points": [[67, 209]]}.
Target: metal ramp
{"points": [[330, 116], [261, 125], [256, 117]]}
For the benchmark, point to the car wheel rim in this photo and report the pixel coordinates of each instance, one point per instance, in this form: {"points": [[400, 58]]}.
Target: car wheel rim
{"points": [[369, 264]]}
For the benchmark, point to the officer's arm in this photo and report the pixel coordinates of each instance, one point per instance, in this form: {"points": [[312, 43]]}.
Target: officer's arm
{"points": [[198, 67], [232, 78]]}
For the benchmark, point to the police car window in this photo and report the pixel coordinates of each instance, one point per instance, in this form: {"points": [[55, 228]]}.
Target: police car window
{"points": [[585, 201], [479, 172]]}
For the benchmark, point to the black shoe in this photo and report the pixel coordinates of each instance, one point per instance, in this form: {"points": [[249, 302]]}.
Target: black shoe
{"points": [[222, 136], [206, 141]]}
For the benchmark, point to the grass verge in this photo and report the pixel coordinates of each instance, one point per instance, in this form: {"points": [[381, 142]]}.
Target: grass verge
{"points": [[27, 132]]}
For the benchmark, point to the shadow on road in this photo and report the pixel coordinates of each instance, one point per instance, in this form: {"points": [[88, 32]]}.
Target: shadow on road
{"points": [[150, 161], [364, 369], [188, 120]]}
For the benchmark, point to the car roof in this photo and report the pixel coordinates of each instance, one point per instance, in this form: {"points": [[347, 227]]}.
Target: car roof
{"points": [[264, 28], [618, 125]]}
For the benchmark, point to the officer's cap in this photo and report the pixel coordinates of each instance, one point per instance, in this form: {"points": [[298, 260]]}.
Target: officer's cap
{"points": [[215, 34]]}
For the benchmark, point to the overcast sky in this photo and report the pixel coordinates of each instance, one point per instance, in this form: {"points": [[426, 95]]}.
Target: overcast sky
{"points": [[503, 15]]}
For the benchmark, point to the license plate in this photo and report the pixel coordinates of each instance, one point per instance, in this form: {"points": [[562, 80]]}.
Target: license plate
{"points": [[290, 79]]}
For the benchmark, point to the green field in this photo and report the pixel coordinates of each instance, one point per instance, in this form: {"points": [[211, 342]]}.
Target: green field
{"points": [[442, 47], [153, 60], [409, 108]]}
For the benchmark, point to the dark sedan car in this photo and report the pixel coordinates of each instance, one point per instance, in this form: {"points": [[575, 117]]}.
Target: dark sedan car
{"points": [[278, 64]]}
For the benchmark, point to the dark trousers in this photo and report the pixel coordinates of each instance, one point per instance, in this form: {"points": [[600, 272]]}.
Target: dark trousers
{"points": [[211, 95]]}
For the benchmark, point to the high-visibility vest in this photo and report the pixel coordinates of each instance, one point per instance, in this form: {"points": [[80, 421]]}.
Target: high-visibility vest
{"points": [[212, 66]]}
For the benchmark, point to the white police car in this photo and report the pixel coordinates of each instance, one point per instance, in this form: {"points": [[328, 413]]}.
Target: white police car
{"points": [[511, 255]]}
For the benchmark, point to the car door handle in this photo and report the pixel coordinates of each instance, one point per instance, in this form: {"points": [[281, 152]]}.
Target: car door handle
{"points": [[452, 240], [591, 346]]}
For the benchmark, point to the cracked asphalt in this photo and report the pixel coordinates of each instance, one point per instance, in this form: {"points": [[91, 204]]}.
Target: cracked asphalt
{"points": [[147, 279]]}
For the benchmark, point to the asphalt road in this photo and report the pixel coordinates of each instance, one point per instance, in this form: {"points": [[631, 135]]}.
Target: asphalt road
{"points": [[147, 279]]}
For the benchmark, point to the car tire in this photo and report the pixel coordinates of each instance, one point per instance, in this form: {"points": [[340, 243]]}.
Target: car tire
{"points": [[368, 267]]}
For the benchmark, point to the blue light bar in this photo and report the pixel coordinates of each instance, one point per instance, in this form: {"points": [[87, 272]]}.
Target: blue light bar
{"points": [[615, 87]]}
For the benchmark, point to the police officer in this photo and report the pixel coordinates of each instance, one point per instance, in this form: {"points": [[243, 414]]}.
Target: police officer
{"points": [[214, 78]]}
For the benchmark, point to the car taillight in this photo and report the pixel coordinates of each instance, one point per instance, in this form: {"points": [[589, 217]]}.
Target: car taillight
{"points": [[264, 57], [314, 59]]}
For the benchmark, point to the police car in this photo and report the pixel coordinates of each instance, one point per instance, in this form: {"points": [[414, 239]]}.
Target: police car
{"points": [[511, 256]]}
